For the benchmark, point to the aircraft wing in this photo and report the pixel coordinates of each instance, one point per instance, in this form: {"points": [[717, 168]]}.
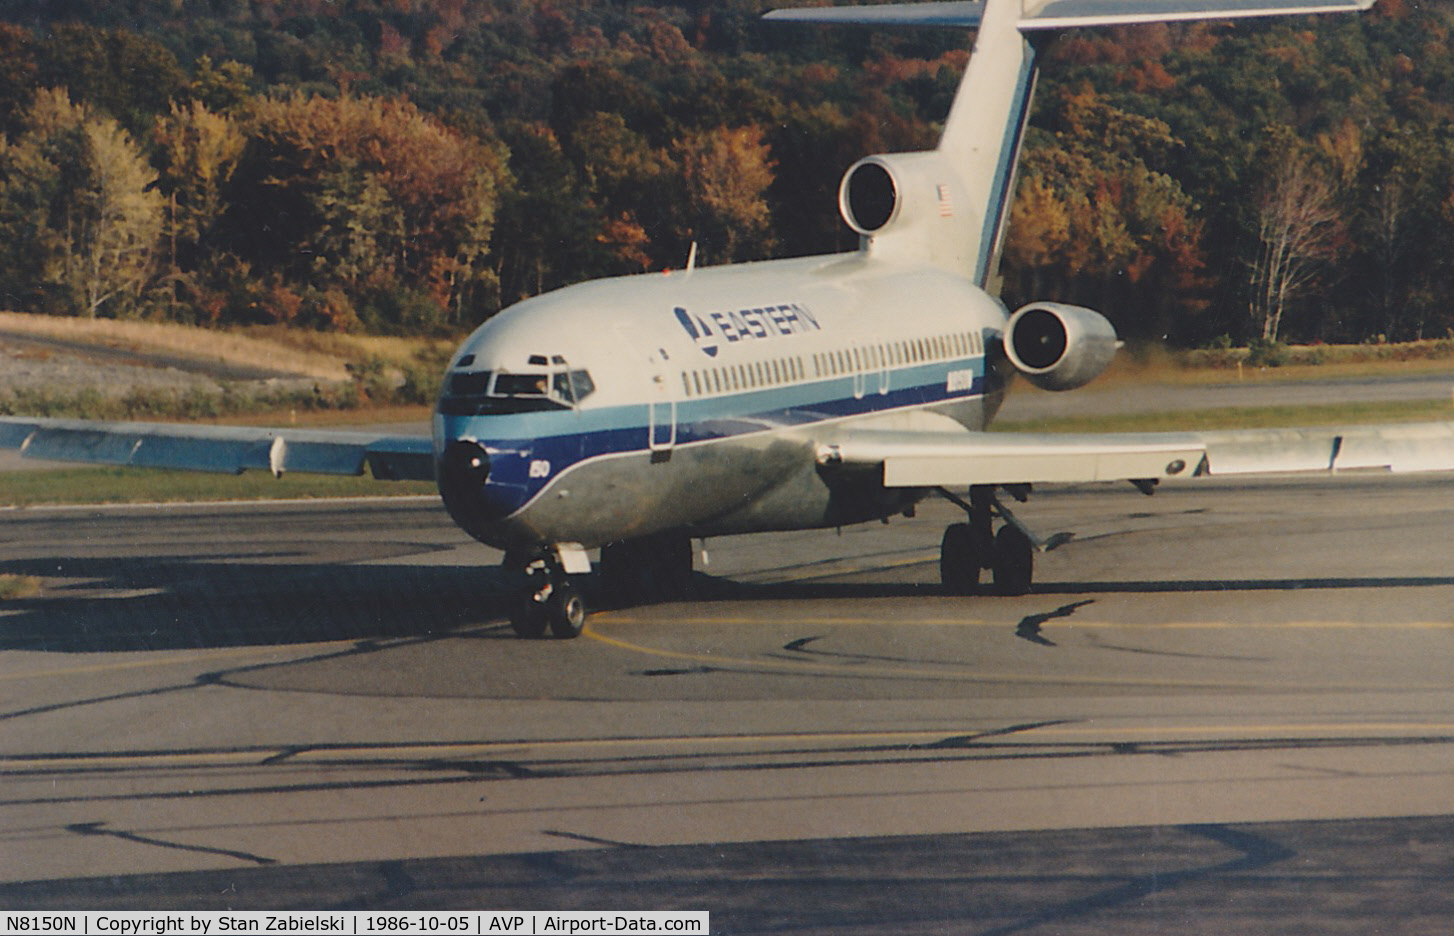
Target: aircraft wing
{"points": [[223, 449], [933, 459]]}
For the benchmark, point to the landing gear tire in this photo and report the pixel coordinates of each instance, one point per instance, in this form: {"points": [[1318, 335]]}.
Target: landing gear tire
{"points": [[565, 611], [1014, 562], [546, 598], [960, 560]]}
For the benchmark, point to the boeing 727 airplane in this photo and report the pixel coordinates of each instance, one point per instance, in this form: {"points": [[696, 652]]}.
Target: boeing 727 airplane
{"points": [[637, 413]]}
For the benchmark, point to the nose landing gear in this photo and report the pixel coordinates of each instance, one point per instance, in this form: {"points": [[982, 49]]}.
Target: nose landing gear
{"points": [[637, 571], [547, 600]]}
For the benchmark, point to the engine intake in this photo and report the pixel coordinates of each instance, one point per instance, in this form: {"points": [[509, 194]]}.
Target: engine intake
{"points": [[899, 191], [1059, 347], [869, 197]]}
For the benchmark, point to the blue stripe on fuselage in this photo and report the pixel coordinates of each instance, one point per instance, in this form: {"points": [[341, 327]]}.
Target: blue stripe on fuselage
{"points": [[529, 450]]}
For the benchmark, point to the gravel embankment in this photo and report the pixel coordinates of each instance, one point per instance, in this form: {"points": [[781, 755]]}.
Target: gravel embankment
{"points": [[63, 370]]}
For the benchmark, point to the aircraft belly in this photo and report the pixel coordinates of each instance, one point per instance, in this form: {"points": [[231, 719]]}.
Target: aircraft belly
{"points": [[636, 494], [751, 482]]}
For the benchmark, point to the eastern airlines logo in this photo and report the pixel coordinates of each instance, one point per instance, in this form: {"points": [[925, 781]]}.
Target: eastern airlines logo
{"points": [[745, 325]]}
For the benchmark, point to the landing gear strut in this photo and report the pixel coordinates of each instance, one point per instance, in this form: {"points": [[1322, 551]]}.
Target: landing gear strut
{"points": [[970, 548], [547, 599]]}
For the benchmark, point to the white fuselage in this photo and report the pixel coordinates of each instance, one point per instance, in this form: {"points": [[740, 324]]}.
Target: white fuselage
{"points": [[701, 400]]}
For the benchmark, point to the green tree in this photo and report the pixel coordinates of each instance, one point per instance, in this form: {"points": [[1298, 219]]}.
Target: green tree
{"points": [[92, 246], [547, 235], [627, 184], [727, 172], [372, 196], [18, 72], [1298, 235], [1094, 223], [197, 151], [223, 89], [112, 71], [120, 223], [1398, 238], [813, 147]]}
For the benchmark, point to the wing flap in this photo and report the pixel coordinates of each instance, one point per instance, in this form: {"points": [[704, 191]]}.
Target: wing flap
{"points": [[930, 459], [1042, 463], [221, 449], [1397, 448]]}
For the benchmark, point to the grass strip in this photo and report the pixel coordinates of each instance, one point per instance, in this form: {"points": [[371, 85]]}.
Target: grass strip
{"points": [[13, 587]]}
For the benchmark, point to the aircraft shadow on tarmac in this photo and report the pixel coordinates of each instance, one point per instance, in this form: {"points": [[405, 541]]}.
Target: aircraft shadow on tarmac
{"points": [[721, 589], [181, 602]]}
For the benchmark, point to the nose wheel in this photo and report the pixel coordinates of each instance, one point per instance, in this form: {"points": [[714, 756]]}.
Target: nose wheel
{"points": [[547, 601]]}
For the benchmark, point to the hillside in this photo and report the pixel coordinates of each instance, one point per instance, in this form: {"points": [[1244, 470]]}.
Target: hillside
{"points": [[131, 369], [408, 168]]}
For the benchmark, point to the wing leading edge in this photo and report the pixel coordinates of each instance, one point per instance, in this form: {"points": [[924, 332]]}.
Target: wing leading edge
{"points": [[221, 449], [937, 459]]}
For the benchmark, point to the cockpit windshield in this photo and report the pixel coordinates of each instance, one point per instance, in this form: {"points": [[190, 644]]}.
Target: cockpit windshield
{"points": [[484, 393]]}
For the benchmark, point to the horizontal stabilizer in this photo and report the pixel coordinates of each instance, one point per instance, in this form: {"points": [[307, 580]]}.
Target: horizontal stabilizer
{"points": [[1062, 14], [961, 14]]}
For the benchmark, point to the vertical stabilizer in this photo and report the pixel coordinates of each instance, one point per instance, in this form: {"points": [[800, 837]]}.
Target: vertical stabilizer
{"points": [[949, 208], [986, 126]]}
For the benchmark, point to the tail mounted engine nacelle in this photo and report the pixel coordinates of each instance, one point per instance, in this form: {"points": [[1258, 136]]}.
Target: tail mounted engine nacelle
{"points": [[1059, 347], [897, 192]]}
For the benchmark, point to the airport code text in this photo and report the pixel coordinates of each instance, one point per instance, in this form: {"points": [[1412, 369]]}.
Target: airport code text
{"points": [[480, 923]]}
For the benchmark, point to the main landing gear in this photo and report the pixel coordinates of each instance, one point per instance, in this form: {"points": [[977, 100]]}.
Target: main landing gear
{"points": [[968, 549]]}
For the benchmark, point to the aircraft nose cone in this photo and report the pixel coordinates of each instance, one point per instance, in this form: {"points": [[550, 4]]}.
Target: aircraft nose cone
{"points": [[464, 467]]}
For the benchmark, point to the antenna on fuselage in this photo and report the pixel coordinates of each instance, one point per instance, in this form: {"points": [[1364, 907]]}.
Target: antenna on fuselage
{"points": [[692, 258]]}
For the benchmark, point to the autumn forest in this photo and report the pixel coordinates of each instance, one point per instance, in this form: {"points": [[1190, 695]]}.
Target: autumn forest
{"points": [[411, 166]]}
